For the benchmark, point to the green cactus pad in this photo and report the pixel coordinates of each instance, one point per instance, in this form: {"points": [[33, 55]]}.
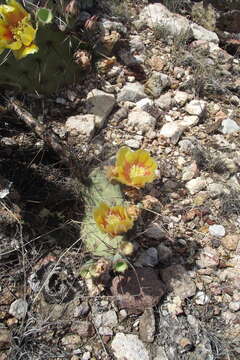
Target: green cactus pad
{"points": [[86, 4], [100, 190], [47, 70]]}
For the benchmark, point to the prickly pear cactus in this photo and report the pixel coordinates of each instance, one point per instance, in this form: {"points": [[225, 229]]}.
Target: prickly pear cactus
{"points": [[47, 70], [100, 189], [86, 4], [52, 66]]}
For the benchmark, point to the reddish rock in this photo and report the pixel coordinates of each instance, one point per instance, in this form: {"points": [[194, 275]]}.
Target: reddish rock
{"points": [[106, 339], [220, 115], [137, 289]]}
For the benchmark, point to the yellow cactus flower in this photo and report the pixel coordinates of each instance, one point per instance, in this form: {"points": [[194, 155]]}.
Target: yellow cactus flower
{"points": [[113, 220], [16, 31], [133, 168]]}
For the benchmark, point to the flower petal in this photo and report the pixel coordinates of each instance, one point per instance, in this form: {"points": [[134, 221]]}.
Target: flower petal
{"points": [[134, 168], [142, 155], [5, 32], [121, 155], [112, 220], [15, 45], [16, 14], [16, 31], [5, 9], [25, 50], [3, 44], [28, 34]]}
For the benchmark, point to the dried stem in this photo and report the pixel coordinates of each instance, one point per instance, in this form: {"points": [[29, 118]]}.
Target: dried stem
{"points": [[51, 139]]}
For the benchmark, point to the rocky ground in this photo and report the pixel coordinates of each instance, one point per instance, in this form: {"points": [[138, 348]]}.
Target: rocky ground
{"points": [[167, 81]]}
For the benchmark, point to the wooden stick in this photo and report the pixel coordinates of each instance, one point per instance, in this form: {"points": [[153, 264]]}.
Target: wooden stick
{"points": [[51, 139]]}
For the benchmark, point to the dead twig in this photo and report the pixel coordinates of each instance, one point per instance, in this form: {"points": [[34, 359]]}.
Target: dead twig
{"points": [[51, 139]]}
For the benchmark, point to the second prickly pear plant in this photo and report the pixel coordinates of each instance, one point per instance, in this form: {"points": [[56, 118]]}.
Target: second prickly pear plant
{"points": [[100, 193], [103, 225], [107, 217]]}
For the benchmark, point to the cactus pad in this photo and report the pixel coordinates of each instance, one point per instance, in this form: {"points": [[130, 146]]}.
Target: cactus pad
{"points": [[47, 70], [86, 4], [98, 243]]}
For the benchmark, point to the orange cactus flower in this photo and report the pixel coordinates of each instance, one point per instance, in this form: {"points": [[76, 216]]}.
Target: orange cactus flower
{"points": [[113, 220], [16, 31], [133, 168]]}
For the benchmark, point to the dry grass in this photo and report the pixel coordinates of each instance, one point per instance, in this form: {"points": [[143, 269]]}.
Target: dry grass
{"points": [[176, 5], [230, 203], [118, 8]]}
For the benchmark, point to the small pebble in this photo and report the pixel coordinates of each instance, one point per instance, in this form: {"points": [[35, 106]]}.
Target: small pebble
{"points": [[196, 185], [234, 305], [82, 310], [229, 126], [217, 230], [201, 298], [185, 344], [136, 324], [215, 243], [86, 355], [105, 331], [123, 314], [18, 308], [133, 143]]}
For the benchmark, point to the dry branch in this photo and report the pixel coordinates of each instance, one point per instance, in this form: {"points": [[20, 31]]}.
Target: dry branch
{"points": [[51, 139]]}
